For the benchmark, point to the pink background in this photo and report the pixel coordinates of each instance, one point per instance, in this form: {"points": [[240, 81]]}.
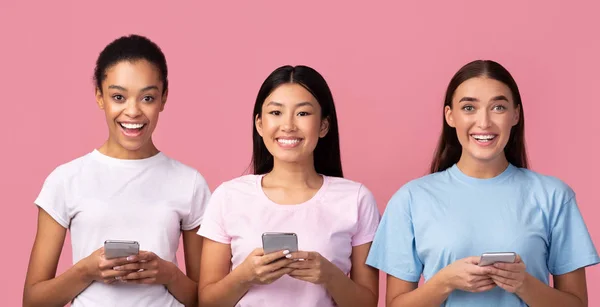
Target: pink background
{"points": [[387, 64]]}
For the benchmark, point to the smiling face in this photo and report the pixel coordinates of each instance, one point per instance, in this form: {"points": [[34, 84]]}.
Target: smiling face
{"points": [[290, 124], [483, 113], [132, 98]]}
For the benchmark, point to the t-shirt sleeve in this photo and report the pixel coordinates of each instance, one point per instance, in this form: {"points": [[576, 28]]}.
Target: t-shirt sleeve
{"points": [[52, 197], [213, 226], [571, 246], [368, 217], [200, 197], [393, 250]]}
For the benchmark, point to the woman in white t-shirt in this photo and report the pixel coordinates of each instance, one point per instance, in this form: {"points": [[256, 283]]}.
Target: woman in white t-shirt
{"points": [[125, 190]]}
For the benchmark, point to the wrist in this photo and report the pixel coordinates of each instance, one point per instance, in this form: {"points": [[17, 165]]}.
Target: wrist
{"points": [[334, 274], [174, 273], [243, 276], [441, 281], [83, 271], [526, 285]]}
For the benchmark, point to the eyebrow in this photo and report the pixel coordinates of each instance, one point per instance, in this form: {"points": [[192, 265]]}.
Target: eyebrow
{"points": [[147, 88], [279, 104], [471, 99]]}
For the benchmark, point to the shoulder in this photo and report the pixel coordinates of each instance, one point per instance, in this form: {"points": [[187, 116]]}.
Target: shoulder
{"points": [[246, 184], [70, 169], [548, 187]]}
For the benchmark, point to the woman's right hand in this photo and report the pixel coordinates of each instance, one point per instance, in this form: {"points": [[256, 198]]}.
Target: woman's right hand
{"points": [[98, 268], [265, 269], [465, 274]]}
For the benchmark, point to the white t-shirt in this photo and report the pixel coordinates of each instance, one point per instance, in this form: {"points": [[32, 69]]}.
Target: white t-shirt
{"points": [[102, 198]]}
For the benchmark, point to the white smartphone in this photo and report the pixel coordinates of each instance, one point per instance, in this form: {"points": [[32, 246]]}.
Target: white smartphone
{"points": [[119, 248], [491, 258], [278, 241]]}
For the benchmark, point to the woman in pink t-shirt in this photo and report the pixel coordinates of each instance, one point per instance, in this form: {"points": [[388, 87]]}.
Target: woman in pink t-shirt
{"points": [[297, 187]]}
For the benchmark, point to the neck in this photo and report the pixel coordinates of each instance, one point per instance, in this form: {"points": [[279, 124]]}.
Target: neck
{"points": [[114, 150], [482, 169], [294, 174]]}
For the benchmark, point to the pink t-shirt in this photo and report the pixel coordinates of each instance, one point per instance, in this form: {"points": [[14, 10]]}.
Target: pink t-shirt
{"points": [[342, 214]]}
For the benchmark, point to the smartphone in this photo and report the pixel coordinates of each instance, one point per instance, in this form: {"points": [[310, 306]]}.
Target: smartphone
{"points": [[491, 258], [118, 248], [278, 241]]}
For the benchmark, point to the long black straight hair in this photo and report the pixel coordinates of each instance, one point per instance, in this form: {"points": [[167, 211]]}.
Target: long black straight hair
{"points": [[327, 158]]}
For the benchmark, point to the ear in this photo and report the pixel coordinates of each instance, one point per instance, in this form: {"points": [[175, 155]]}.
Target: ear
{"points": [[448, 116], [324, 127], [164, 100], [517, 116], [99, 99], [258, 124]]}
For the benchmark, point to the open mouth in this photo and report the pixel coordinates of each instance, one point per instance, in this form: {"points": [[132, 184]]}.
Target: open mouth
{"points": [[484, 138], [132, 129], [288, 142]]}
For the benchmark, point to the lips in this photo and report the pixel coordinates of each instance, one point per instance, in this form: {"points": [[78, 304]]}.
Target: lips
{"points": [[132, 129], [288, 142]]}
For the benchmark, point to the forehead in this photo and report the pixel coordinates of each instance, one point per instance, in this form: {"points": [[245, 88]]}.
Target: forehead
{"points": [[132, 74], [482, 88], [290, 94]]}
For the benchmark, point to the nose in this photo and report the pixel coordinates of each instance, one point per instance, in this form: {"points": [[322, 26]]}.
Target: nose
{"points": [[132, 109], [483, 120], [288, 124]]}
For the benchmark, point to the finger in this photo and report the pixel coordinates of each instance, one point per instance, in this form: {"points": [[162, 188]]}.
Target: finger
{"points": [[144, 256], [502, 280], [140, 275], [300, 264], [511, 267], [483, 283], [273, 276], [258, 252], [136, 266], [301, 255], [503, 273], [478, 270], [503, 285], [479, 278], [268, 258], [111, 263], [518, 259], [302, 273], [276, 265], [146, 281], [472, 260], [112, 274]]}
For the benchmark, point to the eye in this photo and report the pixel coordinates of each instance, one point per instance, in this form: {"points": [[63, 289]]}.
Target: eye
{"points": [[276, 113], [303, 113], [468, 108], [148, 99], [499, 108], [118, 97]]}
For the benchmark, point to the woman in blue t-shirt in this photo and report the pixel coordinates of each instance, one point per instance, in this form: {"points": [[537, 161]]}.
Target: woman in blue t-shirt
{"points": [[480, 197]]}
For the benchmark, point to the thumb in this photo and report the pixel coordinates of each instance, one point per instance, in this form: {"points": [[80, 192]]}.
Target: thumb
{"points": [[258, 252], [473, 260]]}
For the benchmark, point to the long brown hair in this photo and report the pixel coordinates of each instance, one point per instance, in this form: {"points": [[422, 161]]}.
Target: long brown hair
{"points": [[449, 150]]}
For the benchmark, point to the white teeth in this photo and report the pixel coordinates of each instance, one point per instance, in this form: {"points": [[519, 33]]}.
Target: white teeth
{"points": [[483, 137], [132, 126], [288, 142]]}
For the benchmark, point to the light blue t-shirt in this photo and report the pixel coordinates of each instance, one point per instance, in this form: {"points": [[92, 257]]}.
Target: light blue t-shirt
{"points": [[440, 218]]}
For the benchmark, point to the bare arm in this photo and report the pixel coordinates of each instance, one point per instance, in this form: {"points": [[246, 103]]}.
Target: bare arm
{"points": [[217, 286], [42, 288], [570, 289], [463, 274], [362, 287], [184, 287]]}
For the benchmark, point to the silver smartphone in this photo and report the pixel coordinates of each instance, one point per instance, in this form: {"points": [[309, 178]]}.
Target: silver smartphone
{"points": [[120, 248], [278, 241], [491, 258]]}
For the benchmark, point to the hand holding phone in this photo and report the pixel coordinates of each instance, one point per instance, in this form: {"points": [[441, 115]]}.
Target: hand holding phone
{"points": [[118, 248], [279, 241], [495, 257]]}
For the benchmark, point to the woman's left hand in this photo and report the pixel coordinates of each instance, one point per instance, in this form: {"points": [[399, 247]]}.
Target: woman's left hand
{"points": [[311, 267], [148, 269], [509, 276]]}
